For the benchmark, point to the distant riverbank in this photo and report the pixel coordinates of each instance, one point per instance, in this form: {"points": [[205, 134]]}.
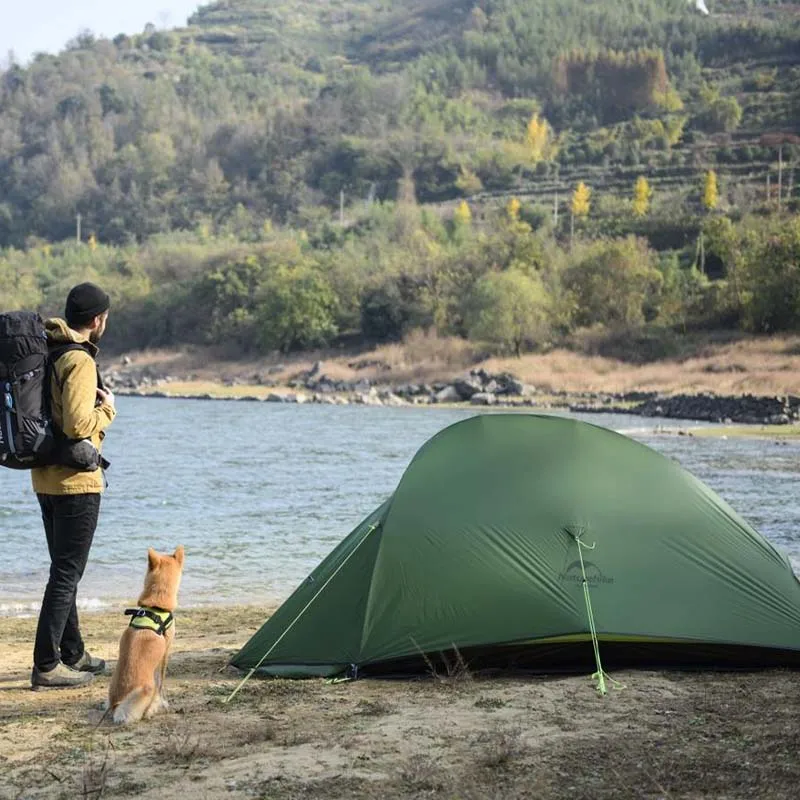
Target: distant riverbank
{"points": [[753, 381], [760, 416]]}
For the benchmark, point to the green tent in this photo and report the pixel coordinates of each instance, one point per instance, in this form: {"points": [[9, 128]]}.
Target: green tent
{"points": [[477, 552]]}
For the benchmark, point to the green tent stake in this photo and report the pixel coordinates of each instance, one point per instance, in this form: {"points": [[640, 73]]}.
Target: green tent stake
{"points": [[600, 675]]}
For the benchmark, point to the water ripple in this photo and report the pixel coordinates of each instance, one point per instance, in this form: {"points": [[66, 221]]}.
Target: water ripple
{"points": [[261, 493]]}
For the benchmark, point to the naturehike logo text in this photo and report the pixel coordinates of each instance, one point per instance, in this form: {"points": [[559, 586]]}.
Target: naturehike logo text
{"points": [[594, 577]]}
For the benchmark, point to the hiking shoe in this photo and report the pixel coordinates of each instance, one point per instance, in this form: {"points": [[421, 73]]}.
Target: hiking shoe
{"points": [[60, 677], [88, 663]]}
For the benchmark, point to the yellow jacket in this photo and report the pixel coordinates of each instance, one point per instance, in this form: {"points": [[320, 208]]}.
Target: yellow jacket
{"points": [[73, 388]]}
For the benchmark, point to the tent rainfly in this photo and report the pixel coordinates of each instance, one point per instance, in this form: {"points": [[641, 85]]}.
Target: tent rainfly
{"points": [[533, 542]]}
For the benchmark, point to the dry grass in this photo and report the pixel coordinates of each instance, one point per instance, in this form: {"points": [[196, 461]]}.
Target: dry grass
{"points": [[453, 671], [422, 775], [497, 749], [424, 357], [95, 775], [692, 364], [756, 366]]}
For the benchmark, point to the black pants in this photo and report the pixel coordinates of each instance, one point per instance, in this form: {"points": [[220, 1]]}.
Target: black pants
{"points": [[69, 524]]}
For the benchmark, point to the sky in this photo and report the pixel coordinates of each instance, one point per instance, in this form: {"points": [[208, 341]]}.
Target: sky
{"points": [[30, 26]]}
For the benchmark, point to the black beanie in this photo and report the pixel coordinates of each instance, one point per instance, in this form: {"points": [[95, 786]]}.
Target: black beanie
{"points": [[84, 302]]}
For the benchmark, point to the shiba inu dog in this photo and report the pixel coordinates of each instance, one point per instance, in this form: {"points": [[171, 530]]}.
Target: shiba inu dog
{"points": [[137, 686]]}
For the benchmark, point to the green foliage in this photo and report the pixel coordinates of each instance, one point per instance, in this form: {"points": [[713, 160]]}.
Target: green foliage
{"points": [[613, 282], [296, 310], [718, 113], [260, 110], [228, 295], [511, 310], [762, 270], [468, 182], [391, 309], [497, 280], [20, 288], [685, 294], [208, 166]]}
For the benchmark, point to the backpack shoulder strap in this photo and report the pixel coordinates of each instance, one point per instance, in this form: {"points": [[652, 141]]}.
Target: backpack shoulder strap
{"points": [[56, 352]]}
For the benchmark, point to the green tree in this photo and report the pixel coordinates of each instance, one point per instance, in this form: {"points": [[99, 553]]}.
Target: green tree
{"points": [[511, 310], [762, 270], [719, 114], [296, 309], [612, 282], [770, 268], [226, 294]]}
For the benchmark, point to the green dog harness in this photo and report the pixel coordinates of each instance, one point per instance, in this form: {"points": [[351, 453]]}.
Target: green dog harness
{"points": [[151, 619]]}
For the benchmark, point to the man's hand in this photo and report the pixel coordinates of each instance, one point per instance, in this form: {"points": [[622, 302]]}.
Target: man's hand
{"points": [[105, 396]]}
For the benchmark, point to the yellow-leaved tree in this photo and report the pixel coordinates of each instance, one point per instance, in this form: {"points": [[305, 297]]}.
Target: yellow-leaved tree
{"points": [[710, 191], [581, 200], [462, 216], [468, 182], [539, 139], [642, 193], [580, 205], [512, 209]]}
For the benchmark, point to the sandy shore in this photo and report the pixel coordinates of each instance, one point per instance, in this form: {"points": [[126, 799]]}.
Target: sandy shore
{"points": [[666, 734]]}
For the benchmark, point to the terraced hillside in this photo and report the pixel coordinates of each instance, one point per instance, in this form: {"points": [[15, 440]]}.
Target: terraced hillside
{"points": [[262, 109]]}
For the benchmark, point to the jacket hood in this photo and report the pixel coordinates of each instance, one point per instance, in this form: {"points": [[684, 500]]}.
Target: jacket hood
{"points": [[58, 332]]}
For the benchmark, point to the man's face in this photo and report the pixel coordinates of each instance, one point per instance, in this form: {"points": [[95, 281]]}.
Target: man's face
{"points": [[99, 328]]}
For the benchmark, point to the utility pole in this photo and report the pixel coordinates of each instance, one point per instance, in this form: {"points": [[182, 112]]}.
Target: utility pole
{"points": [[555, 210], [571, 228], [702, 252], [780, 173], [78, 228], [341, 207]]}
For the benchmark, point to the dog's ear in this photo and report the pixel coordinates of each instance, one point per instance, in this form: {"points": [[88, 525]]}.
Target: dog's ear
{"points": [[152, 558], [178, 555]]}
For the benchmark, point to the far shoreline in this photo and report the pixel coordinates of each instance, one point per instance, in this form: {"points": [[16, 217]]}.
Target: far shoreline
{"points": [[208, 391], [736, 380]]}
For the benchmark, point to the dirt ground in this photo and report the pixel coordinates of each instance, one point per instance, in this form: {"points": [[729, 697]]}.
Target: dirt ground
{"points": [[664, 735]]}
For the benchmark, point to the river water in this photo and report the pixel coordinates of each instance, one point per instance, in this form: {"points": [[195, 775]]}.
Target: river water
{"points": [[259, 493]]}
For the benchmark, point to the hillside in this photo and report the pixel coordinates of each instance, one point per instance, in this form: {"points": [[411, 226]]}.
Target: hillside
{"points": [[262, 109], [292, 174], [375, 32]]}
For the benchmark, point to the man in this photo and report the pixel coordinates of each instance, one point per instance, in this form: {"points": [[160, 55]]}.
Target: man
{"points": [[69, 498]]}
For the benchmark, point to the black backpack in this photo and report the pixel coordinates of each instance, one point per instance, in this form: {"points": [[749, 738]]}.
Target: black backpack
{"points": [[28, 436]]}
